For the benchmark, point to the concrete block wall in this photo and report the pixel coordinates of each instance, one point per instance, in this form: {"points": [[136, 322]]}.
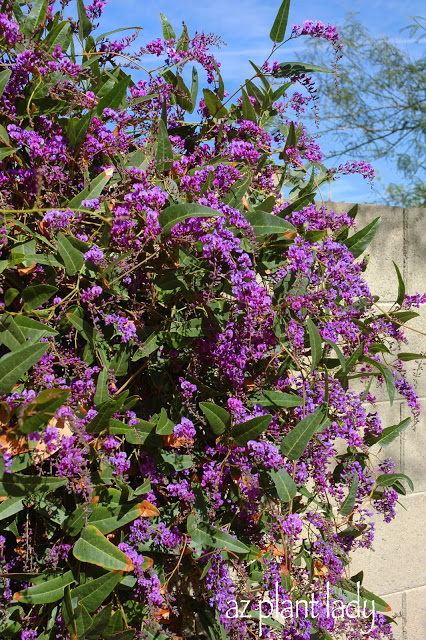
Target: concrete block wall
{"points": [[396, 568]]}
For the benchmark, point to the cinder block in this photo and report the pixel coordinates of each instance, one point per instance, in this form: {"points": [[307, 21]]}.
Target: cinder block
{"points": [[416, 614], [398, 561], [396, 601], [413, 448], [415, 249]]}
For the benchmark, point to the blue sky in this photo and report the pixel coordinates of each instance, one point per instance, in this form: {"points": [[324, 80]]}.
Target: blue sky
{"points": [[245, 24]]}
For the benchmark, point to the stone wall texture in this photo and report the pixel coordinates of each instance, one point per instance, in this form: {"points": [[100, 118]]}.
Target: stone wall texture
{"points": [[396, 568]]}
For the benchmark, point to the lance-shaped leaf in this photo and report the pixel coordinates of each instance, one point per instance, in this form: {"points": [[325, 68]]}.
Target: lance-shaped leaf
{"points": [[9, 507], [165, 426], [171, 216], [389, 434], [76, 618], [280, 399], [93, 190], [43, 409], [349, 502], [101, 394], [249, 430], [164, 146], [284, 484], [45, 592], [293, 445], [114, 97], [389, 479], [93, 593], [36, 295], [208, 536], [105, 411], [358, 243], [401, 285], [248, 109], [168, 31], [265, 224], [35, 17], [315, 342], [280, 23], [92, 547], [194, 88], [18, 330], [218, 419], [84, 24], [4, 79], [19, 485], [213, 104], [111, 517], [289, 69], [14, 364], [73, 259], [389, 379]]}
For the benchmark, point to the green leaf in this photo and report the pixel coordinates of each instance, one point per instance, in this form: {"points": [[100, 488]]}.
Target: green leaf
{"points": [[43, 409], [350, 362], [19, 485], [315, 342], [171, 216], [293, 445], [284, 484], [194, 88], [358, 243], [168, 31], [5, 152], [213, 104], [45, 592], [10, 506], [101, 394], [16, 330], [60, 37], [92, 547], [280, 23], [389, 379], [280, 399], [4, 79], [84, 328], [14, 364], [218, 419], [93, 190], [77, 619], [35, 17], [114, 97], [265, 224], [289, 69], [4, 136], [183, 97], [208, 536], [401, 285], [11, 333], [389, 434], [36, 295], [105, 411], [164, 146], [248, 109], [73, 258], [165, 427], [84, 24], [349, 502], [406, 357], [388, 479], [111, 517], [249, 430]]}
